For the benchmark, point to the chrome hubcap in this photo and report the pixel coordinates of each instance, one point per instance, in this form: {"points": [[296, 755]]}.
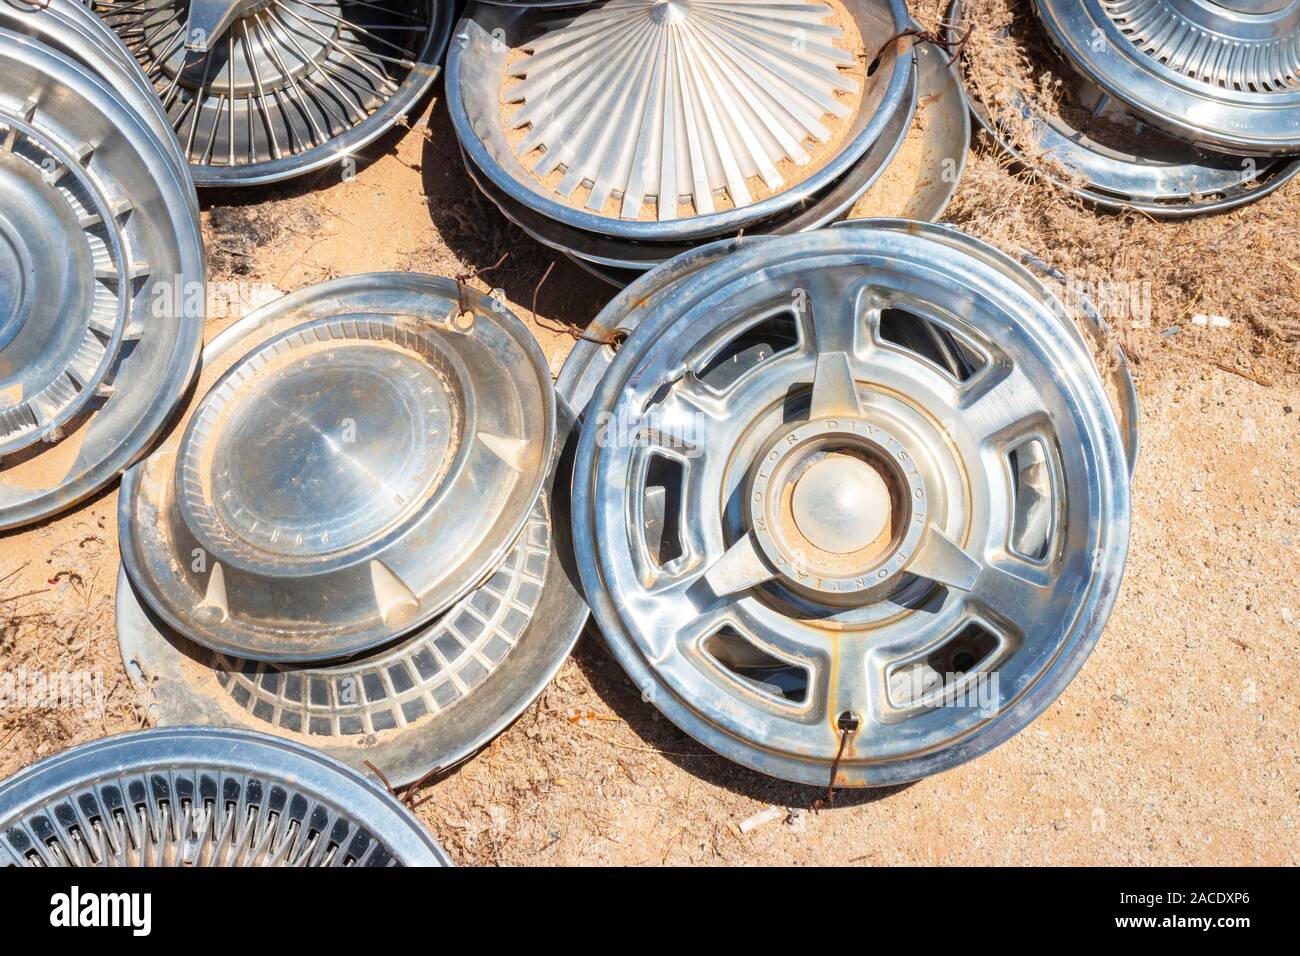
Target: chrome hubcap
{"points": [[261, 90], [1220, 75], [101, 320], [668, 121], [348, 431], [203, 796], [857, 517]]}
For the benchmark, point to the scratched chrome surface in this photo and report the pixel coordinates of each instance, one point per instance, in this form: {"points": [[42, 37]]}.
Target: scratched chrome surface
{"points": [[361, 453], [857, 638], [199, 796], [592, 355]]}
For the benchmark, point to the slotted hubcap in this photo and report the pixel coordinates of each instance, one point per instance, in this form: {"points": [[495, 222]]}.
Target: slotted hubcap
{"points": [[913, 491]]}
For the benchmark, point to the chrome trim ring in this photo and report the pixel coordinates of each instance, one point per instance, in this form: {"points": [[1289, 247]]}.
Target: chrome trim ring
{"points": [[198, 796], [1025, 513], [945, 136]]}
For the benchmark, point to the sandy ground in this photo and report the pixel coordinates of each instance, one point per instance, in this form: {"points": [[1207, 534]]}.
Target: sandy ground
{"points": [[1176, 744]]}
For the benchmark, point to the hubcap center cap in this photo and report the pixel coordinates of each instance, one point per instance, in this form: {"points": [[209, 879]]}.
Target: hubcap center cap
{"points": [[837, 507], [668, 11], [841, 504]]}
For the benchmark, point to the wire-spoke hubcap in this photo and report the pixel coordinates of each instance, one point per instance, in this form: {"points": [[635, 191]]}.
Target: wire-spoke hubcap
{"points": [[260, 90], [248, 68], [912, 489]]}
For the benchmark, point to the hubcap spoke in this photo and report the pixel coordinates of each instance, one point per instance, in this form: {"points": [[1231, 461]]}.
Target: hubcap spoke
{"points": [[852, 690], [740, 568], [828, 302], [1012, 600], [208, 20], [943, 561], [835, 392], [1000, 406]]}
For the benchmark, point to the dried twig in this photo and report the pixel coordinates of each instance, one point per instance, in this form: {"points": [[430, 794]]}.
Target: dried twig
{"points": [[405, 796], [1249, 376]]}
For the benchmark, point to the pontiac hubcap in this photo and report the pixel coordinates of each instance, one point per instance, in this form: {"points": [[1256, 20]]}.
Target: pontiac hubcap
{"points": [[836, 506]]}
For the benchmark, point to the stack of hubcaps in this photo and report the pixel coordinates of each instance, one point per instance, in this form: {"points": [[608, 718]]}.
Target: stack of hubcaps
{"points": [[1217, 77], [262, 90], [626, 132], [203, 797], [101, 262], [853, 499], [350, 539], [1223, 75]]}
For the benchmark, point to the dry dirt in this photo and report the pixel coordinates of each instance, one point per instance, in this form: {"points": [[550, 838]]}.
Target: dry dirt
{"points": [[1178, 742]]}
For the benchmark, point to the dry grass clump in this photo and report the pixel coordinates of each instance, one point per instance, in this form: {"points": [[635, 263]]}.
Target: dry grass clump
{"points": [[1012, 69], [1154, 281], [61, 679]]}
